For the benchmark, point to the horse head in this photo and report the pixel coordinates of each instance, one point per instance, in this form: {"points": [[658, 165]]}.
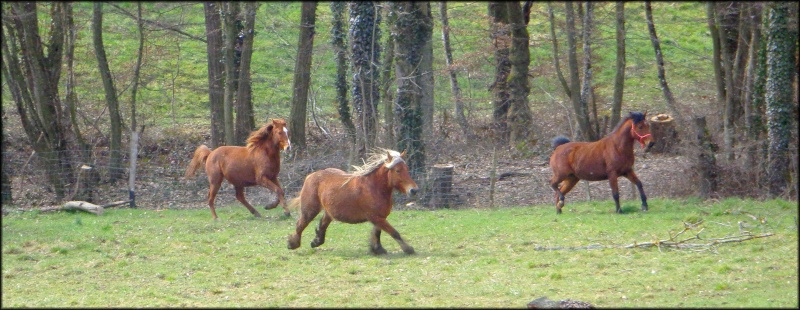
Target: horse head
{"points": [[398, 175], [640, 130], [279, 134]]}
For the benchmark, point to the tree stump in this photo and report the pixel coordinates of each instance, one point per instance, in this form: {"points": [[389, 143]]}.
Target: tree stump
{"points": [[441, 185], [662, 126]]}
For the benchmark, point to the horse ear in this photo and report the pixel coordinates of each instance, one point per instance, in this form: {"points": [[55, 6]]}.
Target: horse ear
{"points": [[389, 157], [403, 154]]}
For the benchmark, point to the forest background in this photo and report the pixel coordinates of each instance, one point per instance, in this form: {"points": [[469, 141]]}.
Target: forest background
{"points": [[89, 84]]}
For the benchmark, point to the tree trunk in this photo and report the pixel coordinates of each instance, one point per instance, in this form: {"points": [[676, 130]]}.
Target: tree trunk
{"points": [[662, 126], [134, 136], [556, 57], [705, 163], [581, 111], [461, 119], [619, 78], [521, 132], [716, 58], [727, 66], [245, 120], [426, 74], [590, 133], [365, 50], [216, 91], [781, 43], [115, 149], [338, 40], [229, 42], [754, 106], [662, 75], [387, 83], [500, 36], [441, 185], [302, 74], [411, 30]]}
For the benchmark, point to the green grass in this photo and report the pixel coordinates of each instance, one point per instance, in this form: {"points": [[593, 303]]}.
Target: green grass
{"points": [[465, 258]]}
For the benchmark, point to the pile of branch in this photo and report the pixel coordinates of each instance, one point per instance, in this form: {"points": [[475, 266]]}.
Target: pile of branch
{"points": [[672, 242]]}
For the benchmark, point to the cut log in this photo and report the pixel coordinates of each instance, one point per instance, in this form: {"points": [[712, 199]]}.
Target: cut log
{"points": [[441, 185], [84, 206], [662, 126]]}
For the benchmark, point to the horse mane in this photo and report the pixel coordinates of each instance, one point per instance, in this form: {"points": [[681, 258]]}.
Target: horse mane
{"points": [[258, 137], [637, 117], [377, 157]]}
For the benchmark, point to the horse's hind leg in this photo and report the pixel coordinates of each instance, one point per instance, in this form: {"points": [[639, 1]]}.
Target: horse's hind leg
{"points": [[635, 180], [562, 188], [612, 180], [385, 226], [213, 188], [323, 227], [308, 211], [375, 241], [240, 197]]}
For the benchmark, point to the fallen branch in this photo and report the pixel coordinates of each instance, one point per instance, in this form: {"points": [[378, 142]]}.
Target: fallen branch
{"points": [[84, 206], [672, 242]]}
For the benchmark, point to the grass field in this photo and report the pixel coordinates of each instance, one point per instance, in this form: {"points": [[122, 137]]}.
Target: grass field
{"points": [[465, 258]]}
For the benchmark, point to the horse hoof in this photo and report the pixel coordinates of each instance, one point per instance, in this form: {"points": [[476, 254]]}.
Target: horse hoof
{"points": [[287, 215], [409, 250], [644, 209], [257, 214], [293, 243], [380, 251], [316, 243]]}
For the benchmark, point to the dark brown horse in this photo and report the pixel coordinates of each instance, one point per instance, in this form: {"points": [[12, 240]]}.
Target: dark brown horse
{"points": [[365, 195], [258, 163], [605, 159]]}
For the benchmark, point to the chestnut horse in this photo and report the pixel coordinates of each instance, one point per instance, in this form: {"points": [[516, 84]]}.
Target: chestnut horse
{"points": [[365, 195], [605, 159], [258, 163]]}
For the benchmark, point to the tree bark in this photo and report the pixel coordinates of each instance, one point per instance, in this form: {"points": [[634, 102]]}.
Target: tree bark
{"points": [[365, 50], [705, 163], [245, 120], [662, 75], [426, 74], [519, 117], [716, 58], [500, 36], [387, 83], [302, 74], [338, 40], [461, 119], [115, 149], [216, 91], [581, 111], [411, 30], [754, 106], [619, 78], [229, 41], [556, 57], [586, 87], [781, 44]]}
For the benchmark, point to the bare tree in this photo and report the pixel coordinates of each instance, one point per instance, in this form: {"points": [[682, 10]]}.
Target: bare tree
{"points": [[586, 86], [619, 78], [556, 57], [339, 42], [115, 148], [451, 69], [302, 74], [364, 38], [245, 120], [501, 40], [662, 75], [231, 11], [781, 45], [411, 30], [519, 113], [215, 73], [581, 111]]}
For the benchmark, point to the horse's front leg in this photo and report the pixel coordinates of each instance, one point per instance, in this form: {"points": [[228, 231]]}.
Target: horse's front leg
{"points": [[612, 180], [275, 186], [381, 223], [323, 227], [635, 180], [375, 241]]}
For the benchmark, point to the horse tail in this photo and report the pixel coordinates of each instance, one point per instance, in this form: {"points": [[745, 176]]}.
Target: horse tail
{"points": [[559, 141], [199, 159], [294, 203]]}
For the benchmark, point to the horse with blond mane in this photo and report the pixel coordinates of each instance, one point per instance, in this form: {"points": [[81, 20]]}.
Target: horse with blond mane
{"points": [[605, 159], [258, 163], [364, 195]]}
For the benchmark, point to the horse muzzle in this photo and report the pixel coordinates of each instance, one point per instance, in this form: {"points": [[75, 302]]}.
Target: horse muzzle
{"points": [[649, 146], [413, 192]]}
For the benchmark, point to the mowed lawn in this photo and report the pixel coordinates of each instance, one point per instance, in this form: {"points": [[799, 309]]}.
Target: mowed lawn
{"points": [[502, 257]]}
